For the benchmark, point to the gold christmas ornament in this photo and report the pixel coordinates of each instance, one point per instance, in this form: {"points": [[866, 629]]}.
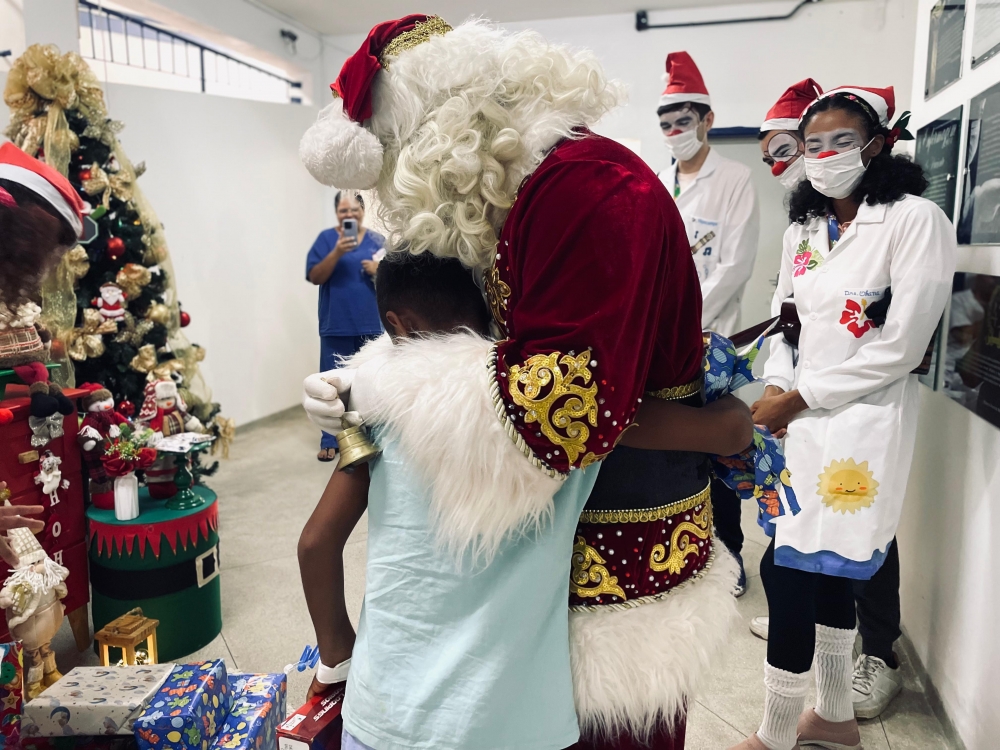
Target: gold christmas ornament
{"points": [[87, 340], [158, 313]]}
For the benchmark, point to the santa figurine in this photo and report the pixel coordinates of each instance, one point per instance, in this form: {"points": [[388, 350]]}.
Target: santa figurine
{"points": [[100, 421], [111, 303], [31, 597], [164, 411]]}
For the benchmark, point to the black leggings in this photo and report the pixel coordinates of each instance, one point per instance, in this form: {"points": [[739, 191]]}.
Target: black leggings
{"points": [[797, 601]]}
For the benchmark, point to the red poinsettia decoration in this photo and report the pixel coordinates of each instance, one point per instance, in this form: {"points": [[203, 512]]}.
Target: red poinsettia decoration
{"points": [[855, 319], [127, 452]]}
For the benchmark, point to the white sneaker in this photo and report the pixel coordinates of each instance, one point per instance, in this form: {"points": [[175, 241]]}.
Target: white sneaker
{"points": [[759, 626], [875, 685]]}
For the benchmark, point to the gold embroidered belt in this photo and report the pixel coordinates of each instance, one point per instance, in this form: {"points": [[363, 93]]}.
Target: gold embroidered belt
{"points": [[628, 557]]}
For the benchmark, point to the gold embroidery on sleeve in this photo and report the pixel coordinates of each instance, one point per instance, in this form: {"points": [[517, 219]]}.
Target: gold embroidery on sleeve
{"points": [[588, 567], [544, 387], [682, 543], [497, 293]]}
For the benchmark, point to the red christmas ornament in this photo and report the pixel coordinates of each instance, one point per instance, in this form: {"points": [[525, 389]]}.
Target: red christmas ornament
{"points": [[84, 174], [185, 319], [116, 247], [126, 408]]}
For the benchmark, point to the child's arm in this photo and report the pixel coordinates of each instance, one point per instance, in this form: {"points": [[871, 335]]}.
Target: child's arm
{"points": [[321, 564], [723, 427]]}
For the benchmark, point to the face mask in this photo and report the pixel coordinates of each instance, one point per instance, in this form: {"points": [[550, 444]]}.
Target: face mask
{"points": [[684, 146], [793, 173], [836, 176]]}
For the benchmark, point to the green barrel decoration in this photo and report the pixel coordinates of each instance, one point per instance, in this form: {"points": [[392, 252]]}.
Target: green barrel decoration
{"points": [[166, 562]]}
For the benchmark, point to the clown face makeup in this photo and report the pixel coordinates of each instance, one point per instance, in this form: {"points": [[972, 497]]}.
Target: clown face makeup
{"points": [[837, 141], [782, 146], [679, 121]]}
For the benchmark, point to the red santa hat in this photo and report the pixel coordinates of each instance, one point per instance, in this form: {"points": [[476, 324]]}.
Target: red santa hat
{"points": [[880, 103], [47, 183], [338, 150], [684, 81], [785, 114]]}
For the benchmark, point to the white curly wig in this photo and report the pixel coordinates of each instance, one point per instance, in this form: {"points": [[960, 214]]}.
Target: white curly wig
{"points": [[461, 120]]}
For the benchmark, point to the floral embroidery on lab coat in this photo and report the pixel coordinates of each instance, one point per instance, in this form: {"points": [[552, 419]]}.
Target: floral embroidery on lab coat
{"points": [[847, 486], [806, 259], [855, 319]]}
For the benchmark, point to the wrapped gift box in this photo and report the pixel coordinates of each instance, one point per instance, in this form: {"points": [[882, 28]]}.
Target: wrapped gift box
{"points": [[188, 711], [117, 742], [11, 684], [315, 726], [258, 708], [93, 701]]}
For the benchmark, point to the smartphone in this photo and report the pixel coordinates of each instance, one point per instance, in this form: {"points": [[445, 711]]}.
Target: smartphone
{"points": [[350, 227]]}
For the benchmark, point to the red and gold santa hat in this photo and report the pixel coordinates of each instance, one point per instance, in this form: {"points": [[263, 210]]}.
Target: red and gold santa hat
{"points": [[43, 180], [879, 103], [338, 150], [684, 82], [785, 113]]}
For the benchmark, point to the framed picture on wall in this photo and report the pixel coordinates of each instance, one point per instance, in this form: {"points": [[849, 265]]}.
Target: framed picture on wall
{"points": [[937, 152], [979, 223], [986, 31], [944, 45], [972, 359]]}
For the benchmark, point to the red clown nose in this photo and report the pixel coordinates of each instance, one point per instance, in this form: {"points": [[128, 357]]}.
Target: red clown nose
{"points": [[779, 167]]}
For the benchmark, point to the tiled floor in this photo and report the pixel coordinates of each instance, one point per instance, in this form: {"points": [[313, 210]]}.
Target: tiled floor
{"points": [[267, 491]]}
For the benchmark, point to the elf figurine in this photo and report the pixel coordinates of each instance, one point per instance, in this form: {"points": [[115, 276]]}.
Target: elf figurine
{"points": [[164, 411], [32, 598], [100, 421], [111, 303]]}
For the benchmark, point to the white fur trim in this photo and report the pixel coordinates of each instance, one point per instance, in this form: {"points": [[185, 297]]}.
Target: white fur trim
{"points": [[339, 152], [667, 99], [780, 123], [433, 394], [633, 668], [38, 184]]}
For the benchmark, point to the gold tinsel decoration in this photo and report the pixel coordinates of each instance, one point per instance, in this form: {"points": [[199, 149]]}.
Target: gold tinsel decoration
{"points": [[131, 332]]}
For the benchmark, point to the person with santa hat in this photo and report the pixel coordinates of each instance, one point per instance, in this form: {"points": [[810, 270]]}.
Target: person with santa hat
{"points": [[717, 200], [477, 141], [876, 680], [780, 142], [870, 265]]}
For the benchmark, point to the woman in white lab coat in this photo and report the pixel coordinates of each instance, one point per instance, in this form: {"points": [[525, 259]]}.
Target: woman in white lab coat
{"points": [[861, 238]]}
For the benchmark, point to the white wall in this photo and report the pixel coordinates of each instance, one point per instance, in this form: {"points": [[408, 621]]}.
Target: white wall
{"points": [[950, 532], [746, 67]]}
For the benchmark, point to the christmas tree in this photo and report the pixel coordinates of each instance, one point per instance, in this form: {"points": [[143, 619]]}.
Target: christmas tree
{"points": [[112, 303]]}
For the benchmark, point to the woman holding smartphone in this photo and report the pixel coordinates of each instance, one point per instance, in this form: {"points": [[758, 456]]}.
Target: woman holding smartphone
{"points": [[860, 237], [342, 264]]}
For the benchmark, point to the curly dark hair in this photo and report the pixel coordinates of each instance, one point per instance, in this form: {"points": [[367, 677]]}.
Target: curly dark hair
{"points": [[887, 179], [33, 237]]}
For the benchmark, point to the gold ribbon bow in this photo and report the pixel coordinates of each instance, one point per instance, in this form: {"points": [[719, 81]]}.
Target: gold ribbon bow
{"points": [[145, 360], [117, 183], [225, 433], [165, 369], [132, 278], [87, 340], [77, 262]]}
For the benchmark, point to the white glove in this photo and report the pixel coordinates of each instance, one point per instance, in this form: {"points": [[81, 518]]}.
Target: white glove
{"points": [[193, 424], [324, 396], [113, 431]]}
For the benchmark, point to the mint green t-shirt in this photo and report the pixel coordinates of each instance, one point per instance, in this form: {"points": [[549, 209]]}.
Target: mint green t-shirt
{"points": [[456, 657]]}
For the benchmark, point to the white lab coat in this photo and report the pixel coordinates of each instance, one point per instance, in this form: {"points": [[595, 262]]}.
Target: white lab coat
{"points": [[849, 455], [721, 203]]}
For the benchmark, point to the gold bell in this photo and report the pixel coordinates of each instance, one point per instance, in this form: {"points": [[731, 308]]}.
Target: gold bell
{"points": [[355, 447]]}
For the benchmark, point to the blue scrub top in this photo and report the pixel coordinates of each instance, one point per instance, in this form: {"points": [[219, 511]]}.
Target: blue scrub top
{"points": [[347, 300]]}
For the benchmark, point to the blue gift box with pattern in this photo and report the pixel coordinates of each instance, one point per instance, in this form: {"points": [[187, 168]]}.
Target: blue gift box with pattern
{"points": [[188, 711], [258, 709]]}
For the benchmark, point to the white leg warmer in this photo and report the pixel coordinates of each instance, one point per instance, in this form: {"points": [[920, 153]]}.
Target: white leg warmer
{"points": [[786, 697], [834, 648]]}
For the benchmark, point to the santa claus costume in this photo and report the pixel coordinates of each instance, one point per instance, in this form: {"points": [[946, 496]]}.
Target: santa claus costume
{"points": [[477, 143]]}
